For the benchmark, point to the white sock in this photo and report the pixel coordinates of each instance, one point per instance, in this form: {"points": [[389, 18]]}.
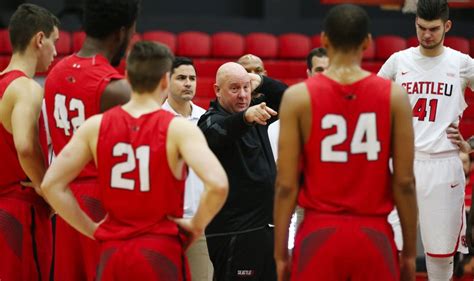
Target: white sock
{"points": [[439, 269]]}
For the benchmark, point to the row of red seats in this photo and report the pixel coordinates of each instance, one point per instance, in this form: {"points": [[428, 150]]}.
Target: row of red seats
{"points": [[231, 45], [283, 55]]}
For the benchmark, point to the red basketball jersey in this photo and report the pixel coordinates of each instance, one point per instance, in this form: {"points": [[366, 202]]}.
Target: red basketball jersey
{"points": [[10, 169], [346, 158], [73, 90], [138, 188]]}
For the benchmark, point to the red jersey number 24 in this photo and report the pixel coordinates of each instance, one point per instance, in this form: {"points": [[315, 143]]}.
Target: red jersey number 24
{"points": [[364, 139]]}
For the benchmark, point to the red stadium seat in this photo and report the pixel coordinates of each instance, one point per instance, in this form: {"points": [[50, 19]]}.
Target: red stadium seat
{"points": [[369, 53], [5, 46], [412, 41], [316, 41], [78, 38], [202, 102], [293, 46], [292, 81], [227, 45], [264, 45], [283, 69], [207, 68], [372, 66], [165, 37], [457, 43], [205, 88], [4, 60], [64, 44], [194, 44], [386, 45]]}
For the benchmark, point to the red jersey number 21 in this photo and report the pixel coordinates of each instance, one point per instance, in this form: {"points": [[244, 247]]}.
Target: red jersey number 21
{"points": [[364, 139], [142, 154]]}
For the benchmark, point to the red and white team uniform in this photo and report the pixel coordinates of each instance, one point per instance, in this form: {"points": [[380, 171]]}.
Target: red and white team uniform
{"points": [[73, 90], [139, 191], [435, 87], [345, 213], [25, 228]]}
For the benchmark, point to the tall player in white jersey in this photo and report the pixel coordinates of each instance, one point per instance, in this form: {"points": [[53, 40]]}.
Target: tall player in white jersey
{"points": [[435, 78]]}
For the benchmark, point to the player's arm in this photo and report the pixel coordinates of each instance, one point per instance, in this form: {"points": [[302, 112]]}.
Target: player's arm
{"points": [[287, 181], [403, 180], [65, 168], [189, 143], [455, 136], [221, 130], [271, 89], [117, 92], [24, 121]]}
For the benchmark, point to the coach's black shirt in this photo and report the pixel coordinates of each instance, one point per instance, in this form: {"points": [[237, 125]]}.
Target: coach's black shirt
{"points": [[245, 153]]}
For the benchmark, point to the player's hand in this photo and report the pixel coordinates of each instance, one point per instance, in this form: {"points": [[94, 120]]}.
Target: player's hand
{"points": [[40, 193], [255, 80], [407, 268], [283, 267], [93, 229], [188, 229], [259, 114], [31, 185], [455, 137]]}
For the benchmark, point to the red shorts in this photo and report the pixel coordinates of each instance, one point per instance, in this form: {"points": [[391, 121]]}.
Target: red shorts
{"points": [[26, 248], [344, 247], [150, 257], [77, 256]]}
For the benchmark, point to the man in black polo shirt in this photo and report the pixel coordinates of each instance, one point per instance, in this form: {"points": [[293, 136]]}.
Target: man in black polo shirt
{"points": [[240, 238]]}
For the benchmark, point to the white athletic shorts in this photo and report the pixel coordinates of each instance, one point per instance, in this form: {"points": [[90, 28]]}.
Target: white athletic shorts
{"points": [[440, 184]]}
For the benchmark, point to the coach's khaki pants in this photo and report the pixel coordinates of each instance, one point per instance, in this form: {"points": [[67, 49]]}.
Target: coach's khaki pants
{"points": [[199, 262]]}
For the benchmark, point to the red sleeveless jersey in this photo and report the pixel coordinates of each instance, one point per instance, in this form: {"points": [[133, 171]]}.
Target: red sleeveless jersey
{"points": [[346, 158], [73, 90], [138, 188], [10, 169]]}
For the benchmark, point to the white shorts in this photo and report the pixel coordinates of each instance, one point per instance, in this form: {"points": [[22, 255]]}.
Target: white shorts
{"points": [[440, 184]]}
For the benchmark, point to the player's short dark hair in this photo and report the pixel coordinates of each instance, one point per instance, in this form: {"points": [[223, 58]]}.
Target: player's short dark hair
{"points": [[346, 26], [28, 20], [316, 52], [147, 63], [179, 61], [432, 10], [103, 17]]}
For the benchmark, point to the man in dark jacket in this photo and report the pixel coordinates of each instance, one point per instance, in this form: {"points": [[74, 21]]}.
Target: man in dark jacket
{"points": [[240, 238]]}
